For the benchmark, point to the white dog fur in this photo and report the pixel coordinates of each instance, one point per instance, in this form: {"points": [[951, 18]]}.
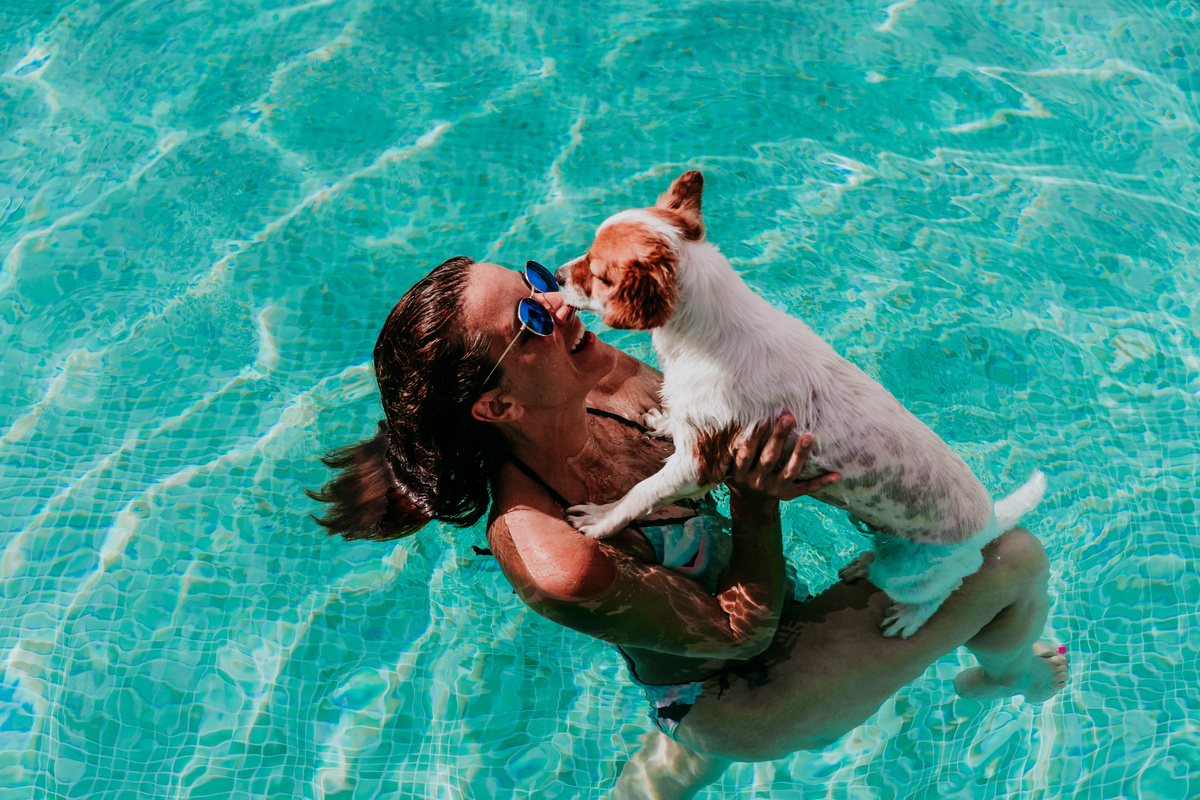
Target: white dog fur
{"points": [[730, 360]]}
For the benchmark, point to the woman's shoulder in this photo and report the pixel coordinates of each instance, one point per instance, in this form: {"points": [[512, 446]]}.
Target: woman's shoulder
{"points": [[549, 570], [544, 558]]}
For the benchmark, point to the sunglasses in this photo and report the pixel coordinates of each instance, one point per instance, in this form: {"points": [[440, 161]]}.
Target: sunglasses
{"points": [[532, 315]]}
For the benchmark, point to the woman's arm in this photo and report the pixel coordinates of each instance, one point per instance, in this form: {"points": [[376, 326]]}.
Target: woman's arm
{"points": [[599, 590], [754, 586], [603, 592]]}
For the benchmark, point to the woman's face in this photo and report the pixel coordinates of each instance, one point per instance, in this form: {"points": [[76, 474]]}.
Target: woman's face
{"points": [[539, 371]]}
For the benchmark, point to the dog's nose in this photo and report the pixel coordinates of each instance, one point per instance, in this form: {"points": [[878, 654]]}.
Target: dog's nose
{"points": [[563, 273]]}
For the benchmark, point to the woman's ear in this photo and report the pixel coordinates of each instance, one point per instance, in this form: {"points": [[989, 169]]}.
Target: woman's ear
{"points": [[495, 406]]}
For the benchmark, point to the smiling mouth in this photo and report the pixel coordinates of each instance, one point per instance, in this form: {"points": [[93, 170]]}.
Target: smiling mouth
{"points": [[582, 339]]}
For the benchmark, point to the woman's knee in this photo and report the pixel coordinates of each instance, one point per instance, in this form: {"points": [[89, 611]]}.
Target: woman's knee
{"points": [[1016, 555]]}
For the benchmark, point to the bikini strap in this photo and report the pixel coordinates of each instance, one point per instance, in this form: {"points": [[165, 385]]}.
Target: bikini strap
{"points": [[533, 476], [628, 423]]}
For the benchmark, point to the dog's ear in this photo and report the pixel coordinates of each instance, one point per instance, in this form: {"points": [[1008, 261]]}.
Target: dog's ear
{"points": [[683, 198], [644, 296]]}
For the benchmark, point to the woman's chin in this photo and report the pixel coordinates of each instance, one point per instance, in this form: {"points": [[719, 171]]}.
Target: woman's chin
{"points": [[593, 360]]}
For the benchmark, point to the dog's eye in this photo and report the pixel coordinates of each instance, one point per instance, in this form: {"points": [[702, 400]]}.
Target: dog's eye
{"points": [[602, 279]]}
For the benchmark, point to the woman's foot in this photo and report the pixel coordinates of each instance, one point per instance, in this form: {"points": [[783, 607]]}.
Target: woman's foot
{"points": [[1046, 676]]}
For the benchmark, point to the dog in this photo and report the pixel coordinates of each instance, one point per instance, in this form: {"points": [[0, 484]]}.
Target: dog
{"points": [[730, 360]]}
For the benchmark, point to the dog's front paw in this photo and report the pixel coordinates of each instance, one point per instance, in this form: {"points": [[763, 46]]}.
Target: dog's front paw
{"points": [[595, 521], [658, 422], [857, 569], [905, 619]]}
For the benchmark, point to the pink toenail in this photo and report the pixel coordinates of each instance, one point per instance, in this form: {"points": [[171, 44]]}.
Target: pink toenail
{"points": [[1062, 650]]}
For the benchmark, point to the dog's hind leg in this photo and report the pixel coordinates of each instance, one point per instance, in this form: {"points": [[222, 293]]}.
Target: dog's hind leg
{"points": [[905, 619], [919, 577]]}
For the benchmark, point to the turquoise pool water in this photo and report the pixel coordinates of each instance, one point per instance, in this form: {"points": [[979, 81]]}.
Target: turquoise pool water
{"points": [[207, 208]]}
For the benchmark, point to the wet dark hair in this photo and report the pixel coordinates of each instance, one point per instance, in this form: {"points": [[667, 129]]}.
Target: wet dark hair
{"points": [[430, 459]]}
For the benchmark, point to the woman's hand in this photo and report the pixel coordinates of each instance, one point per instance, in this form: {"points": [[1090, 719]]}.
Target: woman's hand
{"points": [[761, 465]]}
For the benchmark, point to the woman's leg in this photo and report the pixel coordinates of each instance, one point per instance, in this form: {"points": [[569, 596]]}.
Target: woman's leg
{"points": [[663, 769], [1011, 660], [830, 667]]}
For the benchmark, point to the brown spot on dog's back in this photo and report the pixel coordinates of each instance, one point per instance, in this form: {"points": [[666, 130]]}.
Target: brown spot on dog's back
{"points": [[641, 268], [713, 452]]}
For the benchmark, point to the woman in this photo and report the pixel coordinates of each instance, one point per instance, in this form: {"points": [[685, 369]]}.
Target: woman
{"points": [[495, 392]]}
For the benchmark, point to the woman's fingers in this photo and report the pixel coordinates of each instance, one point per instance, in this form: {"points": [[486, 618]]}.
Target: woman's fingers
{"points": [[791, 471], [802, 488], [761, 464], [768, 460], [785, 479], [795, 463], [756, 461], [746, 455]]}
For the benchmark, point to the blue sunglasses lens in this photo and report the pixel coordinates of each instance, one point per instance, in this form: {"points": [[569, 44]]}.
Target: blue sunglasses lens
{"points": [[540, 278], [534, 316]]}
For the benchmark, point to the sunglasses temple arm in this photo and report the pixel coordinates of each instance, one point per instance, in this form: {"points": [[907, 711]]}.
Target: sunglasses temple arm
{"points": [[501, 358]]}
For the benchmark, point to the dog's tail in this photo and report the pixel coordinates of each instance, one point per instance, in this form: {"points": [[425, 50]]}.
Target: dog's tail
{"points": [[1020, 502]]}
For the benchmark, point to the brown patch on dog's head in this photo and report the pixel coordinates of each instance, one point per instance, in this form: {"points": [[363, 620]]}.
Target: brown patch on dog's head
{"points": [[577, 275], [632, 271], [714, 452], [680, 205]]}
